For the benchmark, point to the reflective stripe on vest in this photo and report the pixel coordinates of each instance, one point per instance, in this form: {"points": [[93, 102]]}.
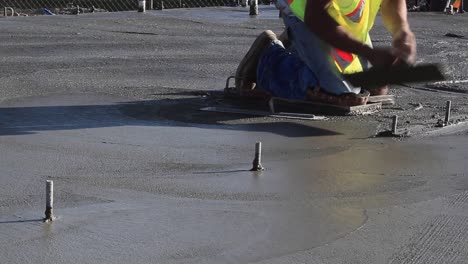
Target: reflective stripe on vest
{"points": [[342, 59], [356, 14]]}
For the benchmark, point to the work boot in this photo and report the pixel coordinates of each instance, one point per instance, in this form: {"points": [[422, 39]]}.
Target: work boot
{"points": [[376, 90], [346, 99], [379, 91], [246, 74]]}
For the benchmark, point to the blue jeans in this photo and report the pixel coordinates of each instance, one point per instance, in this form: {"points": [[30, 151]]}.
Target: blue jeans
{"points": [[283, 74]]}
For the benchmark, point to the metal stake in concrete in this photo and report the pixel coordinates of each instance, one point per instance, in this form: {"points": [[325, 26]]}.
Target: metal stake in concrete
{"points": [[257, 162], [394, 124], [447, 113], [141, 5], [49, 214], [253, 7]]}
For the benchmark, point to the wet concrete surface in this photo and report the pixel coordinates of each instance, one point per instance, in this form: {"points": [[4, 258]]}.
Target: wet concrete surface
{"points": [[106, 106]]}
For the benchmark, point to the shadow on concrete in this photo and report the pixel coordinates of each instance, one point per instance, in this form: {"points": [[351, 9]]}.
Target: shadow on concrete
{"points": [[179, 112], [221, 172], [22, 221]]}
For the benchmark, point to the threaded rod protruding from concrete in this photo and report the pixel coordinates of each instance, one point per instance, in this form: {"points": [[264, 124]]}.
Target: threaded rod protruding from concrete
{"points": [[394, 124], [49, 214], [257, 162], [448, 107], [253, 7]]}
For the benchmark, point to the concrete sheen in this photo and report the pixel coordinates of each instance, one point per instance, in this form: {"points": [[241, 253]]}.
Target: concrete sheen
{"points": [[105, 105]]}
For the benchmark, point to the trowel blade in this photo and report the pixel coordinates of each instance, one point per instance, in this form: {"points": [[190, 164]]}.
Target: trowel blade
{"points": [[377, 77]]}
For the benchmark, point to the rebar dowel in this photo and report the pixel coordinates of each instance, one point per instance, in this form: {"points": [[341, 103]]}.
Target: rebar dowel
{"points": [[253, 7], [394, 124], [49, 212], [257, 162], [141, 5], [447, 113]]}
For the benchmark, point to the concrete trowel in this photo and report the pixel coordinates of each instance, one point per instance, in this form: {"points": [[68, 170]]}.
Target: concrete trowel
{"points": [[377, 77]]}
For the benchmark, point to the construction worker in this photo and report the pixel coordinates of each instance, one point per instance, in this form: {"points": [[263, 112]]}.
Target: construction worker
{"points": [[323, 40]]}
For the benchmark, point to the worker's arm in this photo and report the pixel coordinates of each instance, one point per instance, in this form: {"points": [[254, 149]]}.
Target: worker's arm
{"points": [[394, 16], [326, 28]]}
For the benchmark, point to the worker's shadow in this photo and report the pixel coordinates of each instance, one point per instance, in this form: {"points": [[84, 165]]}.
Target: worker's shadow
{"points": [[180, 112]]}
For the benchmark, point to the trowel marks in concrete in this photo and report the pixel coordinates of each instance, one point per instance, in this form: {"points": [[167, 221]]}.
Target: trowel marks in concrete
{"points": [[441, 238]]}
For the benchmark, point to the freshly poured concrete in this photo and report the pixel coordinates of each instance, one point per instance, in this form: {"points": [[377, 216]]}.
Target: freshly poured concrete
{"points": [[109, 114]]}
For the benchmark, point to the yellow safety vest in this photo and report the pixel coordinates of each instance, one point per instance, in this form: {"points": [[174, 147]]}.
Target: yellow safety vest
{"points": [[356, 16]]}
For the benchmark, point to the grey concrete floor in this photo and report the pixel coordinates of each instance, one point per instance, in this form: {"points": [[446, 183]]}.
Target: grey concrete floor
{"points": [[106, 106]]}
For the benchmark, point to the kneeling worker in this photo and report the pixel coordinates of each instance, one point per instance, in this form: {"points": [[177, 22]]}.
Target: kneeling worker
{"points": [[323, 40]]}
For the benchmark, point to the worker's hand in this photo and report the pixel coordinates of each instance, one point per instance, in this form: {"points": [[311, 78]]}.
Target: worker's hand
{"points": [[380, 57], [404, 46]]}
